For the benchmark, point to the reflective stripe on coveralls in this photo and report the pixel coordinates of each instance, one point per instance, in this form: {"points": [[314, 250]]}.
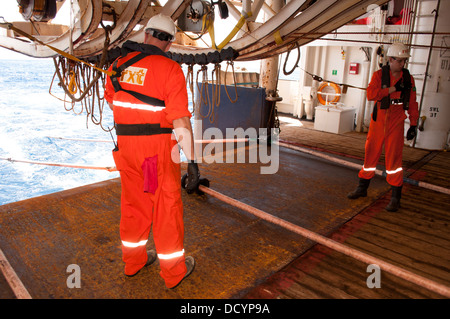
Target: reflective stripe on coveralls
{"points": [[394, 171], [156, 207], [144, 107], [373, 169], [160, 256], [388, 130], [381, 133], [171, 256], [133, 245]]}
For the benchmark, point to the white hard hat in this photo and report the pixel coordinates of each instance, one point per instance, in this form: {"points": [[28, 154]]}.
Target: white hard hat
{"points": [[398, 50], [162, 23]]}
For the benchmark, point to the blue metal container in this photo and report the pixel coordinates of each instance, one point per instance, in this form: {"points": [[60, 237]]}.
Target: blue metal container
{"points": [[251, 110]]}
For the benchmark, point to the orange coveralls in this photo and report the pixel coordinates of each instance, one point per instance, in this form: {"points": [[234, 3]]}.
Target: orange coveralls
{"points": [[388, 129], [149, 157]]}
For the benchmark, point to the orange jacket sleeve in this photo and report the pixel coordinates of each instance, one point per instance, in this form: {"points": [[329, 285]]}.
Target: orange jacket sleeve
{"points": [[413, 111], [176, 97], [109, 89]]}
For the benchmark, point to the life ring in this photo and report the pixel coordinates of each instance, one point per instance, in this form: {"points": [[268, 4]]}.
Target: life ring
{"points": [[325, 86]]}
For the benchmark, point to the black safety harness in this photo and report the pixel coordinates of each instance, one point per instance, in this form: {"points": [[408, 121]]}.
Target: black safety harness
{"points": [[385, 83], [144, 51]]}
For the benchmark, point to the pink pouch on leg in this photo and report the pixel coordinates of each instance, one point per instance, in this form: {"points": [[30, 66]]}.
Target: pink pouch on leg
{"points": [[149, 168]]}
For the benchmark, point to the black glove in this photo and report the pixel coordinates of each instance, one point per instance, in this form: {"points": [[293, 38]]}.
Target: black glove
{"points": [[193, 177], [411, 133], [399, 86]]}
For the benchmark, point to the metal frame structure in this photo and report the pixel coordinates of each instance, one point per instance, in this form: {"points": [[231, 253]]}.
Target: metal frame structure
{"points": [[297, 23]]}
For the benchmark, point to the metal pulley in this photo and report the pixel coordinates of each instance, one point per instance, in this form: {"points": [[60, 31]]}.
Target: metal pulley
{"points": [[192, 18], [39, 10]]}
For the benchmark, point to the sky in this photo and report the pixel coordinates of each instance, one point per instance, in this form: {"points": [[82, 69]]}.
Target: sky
{"points": [[9, 10]]}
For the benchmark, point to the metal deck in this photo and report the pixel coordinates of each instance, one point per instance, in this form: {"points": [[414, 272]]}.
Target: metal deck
{"points": [[237, 254]]}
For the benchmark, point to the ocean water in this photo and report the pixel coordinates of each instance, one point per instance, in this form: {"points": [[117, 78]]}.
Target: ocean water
{"points": [[29, 118]]}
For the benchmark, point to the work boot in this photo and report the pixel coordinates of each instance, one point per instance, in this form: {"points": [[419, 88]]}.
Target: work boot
{"points": [[151, 257], [361, 190], [394, 204], [190, 264]]}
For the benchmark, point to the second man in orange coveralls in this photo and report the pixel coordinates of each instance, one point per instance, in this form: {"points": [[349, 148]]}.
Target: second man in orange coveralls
{"points": [[149, 98], [394, 92]]}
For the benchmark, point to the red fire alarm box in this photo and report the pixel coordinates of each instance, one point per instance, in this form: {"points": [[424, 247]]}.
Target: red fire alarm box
{"points": [[354, 68]]}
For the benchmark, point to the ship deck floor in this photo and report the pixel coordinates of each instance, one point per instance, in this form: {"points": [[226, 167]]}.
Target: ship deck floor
{"points": [[239, 255], [415, 238]]}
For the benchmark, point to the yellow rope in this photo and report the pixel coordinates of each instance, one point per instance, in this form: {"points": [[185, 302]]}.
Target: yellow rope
{"points": [[210, 25], [10, 26], [278, 39], [234, 31], [72, 87]]}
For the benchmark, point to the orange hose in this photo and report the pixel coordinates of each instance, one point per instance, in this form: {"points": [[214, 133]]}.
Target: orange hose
{"points": [[13, 280], [397, 271]]}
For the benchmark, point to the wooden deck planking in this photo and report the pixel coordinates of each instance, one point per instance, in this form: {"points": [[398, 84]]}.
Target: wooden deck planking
{"points": [[416, 238]]}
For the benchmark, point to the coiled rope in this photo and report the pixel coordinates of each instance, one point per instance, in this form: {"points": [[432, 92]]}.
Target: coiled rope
{"points": [[210, 101], [76, 74], [234, 82], [86, 80]]}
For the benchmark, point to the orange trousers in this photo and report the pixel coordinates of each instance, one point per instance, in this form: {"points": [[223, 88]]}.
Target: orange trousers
{"points": [[389, 132], [141, 210]]}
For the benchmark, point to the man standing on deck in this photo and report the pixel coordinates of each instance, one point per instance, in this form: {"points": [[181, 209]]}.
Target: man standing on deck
{"points": [[394, 91], [149, 98]]}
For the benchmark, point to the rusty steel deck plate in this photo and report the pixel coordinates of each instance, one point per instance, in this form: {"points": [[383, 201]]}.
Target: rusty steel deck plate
{"points": [[234, 250]]}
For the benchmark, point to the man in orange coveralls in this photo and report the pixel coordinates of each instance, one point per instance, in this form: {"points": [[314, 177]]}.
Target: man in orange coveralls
{"points": [[395, 91], [149, 98]]}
